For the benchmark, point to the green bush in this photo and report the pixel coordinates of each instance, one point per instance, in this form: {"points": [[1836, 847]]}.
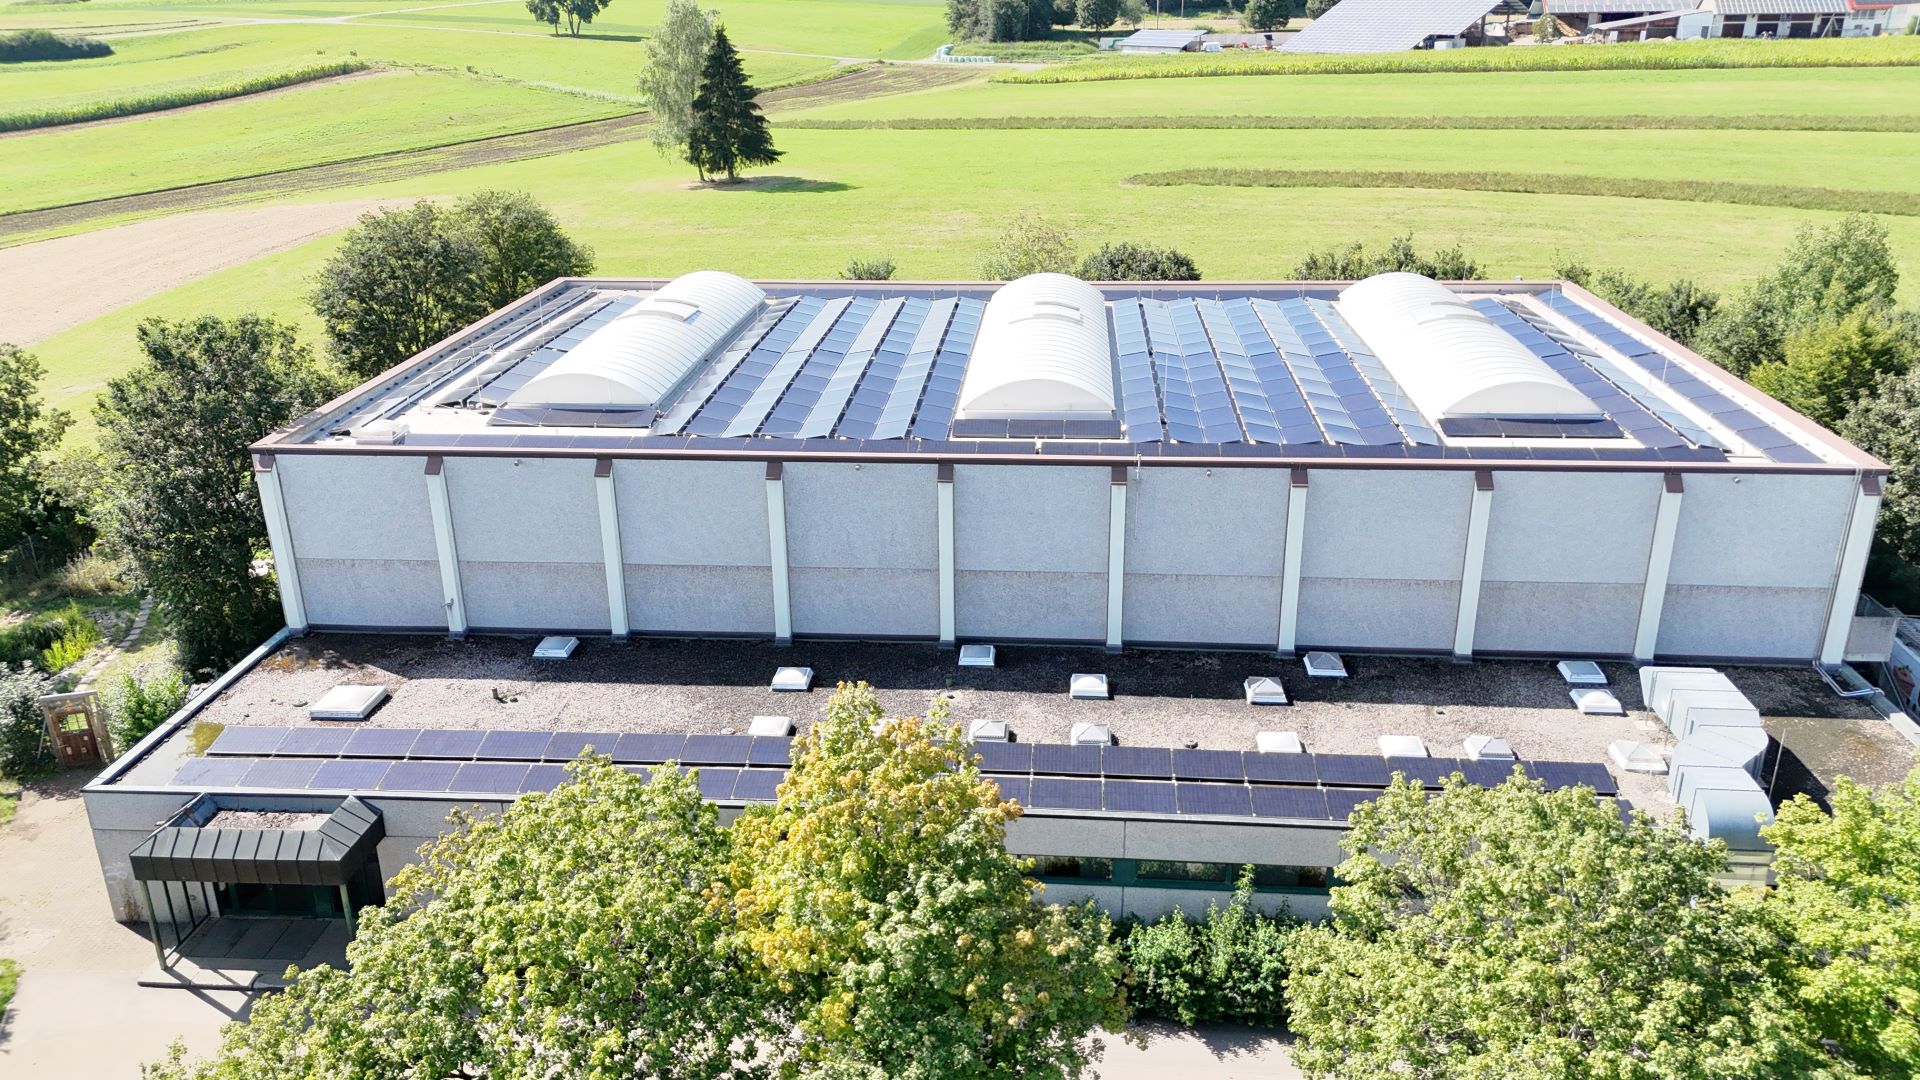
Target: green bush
{"points": [[1227, 968], [1138, 262], [141, 706], [29, 641], [72, 647], [24, 749], [24, 45], [875, 269]]}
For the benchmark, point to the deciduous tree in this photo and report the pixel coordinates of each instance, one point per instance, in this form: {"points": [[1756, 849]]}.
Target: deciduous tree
{"points": [[670, 78], [1030, 244], [1096, 14], [1266, 14], [1353, 262], [1886, 424], [728, 132], [521, 246], [28, 433], [1830, 367]]}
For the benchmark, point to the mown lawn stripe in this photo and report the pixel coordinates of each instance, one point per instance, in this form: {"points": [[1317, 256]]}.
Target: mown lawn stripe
{"points": [[1897, 124], [177, 99]]}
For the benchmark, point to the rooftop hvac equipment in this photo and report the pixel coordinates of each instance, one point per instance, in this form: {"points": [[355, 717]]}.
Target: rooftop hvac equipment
{"points": [[1595, 702], [793, 679], [1265, 690], [1325, 665], [1277, 742], [1487, 748], [381, 433], [1582, 673], [773, 726], [1719, 749], [347, 702], [1691, 710], [989, 731], [555, 648], [1451, 359], [1043, 353], [1632, 756], [1088, 687], [1723, 803], [1402, 746], [976, 656], [1657, 684], [1091, 735]]}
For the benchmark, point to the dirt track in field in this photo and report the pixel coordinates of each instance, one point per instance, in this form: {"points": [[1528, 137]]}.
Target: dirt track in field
{"points": [[870, 82]]}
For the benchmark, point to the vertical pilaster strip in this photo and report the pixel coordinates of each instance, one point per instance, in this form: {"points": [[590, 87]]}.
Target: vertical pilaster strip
{"points": [[948, 619], [1853, 566], [442, 509], [1116, 554], [1293, 545], [610, 550], [1474, 566], [777, 553], [273, 506], [1666, 525]]}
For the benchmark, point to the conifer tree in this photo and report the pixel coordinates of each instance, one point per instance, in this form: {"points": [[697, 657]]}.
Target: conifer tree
{"points": [[728, 130]]}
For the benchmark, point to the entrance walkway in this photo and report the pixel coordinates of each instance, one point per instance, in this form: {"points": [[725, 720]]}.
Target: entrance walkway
{"points": [[251, 954]]}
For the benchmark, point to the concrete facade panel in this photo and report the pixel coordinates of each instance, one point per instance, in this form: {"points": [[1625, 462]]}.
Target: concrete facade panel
{"points": [[1757, 530], [1730, 622], [1394, 525], [1267, 844], [1216, 609], [372, 592], [342, 506], [1539, 617], [1046, 518], [524, 510], [693, 513], [1229, 522], [1416, 616], [862, 516], [700, 599], [550, 596], [1030, 606], [1574, 527], [865, 603], [1087, 837]]}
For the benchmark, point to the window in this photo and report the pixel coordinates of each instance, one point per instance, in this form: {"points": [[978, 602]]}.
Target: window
{"points": [[1072, 868], [1290, 877], [1153, 870]]}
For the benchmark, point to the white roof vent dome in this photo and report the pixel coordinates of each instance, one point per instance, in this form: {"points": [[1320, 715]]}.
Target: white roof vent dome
{"points": [[1042, 353], [1451, 360], [646, 353]]}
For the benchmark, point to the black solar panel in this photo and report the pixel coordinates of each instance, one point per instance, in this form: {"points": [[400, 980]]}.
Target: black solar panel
{"points": [[1352, 770], [567, 745], [716, 783], [1058, 793], [419, 776], [716, 749], [1280, 768], [1208, 765], [313, 742], [1486, 773], [771, 750], [1289, 802], [251, 741], [1017, 788], [280, 773], [1060, 759], [1624, 808], [213, 772], [1140, 797], [650, 748], [1232, 799], [513, 745], [1427, 771], [452, 745], [1555, 775], [1004, 757], [391, 743], [758, 785], [491, 777], [349, 775], [1341, 801], [543, 778], [1155, 762]]}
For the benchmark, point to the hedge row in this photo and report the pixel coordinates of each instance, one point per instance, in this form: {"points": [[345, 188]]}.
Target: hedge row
{"points": [[176, 99], [1901, 124], [25, 46]]}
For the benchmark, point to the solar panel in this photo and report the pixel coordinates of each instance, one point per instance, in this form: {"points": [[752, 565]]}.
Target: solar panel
{"points": [[251, 741], [1232, 799], [420, 776], [1146, 761], [280, 773], [349, 775], [1290, 802], [490, 777], [758, 785], [543, 778], [716, 783], [1280, 768], [313, 742], [380, 743], [1555, 775], [1017, 788], [567, 745], [451, 744], [652, 748], [1486, 773], [1004, 757], [771, 750], [1427, 771], [1208, 765], [1140, 797], [514, 745], [213, 772], [716, 750], [1341, 801], [1353, 770], [1058, 793], [1060, 759]]}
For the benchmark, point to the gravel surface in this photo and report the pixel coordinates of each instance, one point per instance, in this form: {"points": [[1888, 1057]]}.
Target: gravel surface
{"points": [[266, 819]]}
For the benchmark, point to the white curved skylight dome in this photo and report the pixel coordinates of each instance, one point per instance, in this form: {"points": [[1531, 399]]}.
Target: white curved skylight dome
{"points": [[1042, 353], [637, 360], [1452, 360]]}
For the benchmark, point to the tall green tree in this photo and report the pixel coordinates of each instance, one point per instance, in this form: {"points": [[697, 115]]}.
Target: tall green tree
{"points": [[670, 78], [1097, 14], [1829, 367], [728, 132], [174, 434], [1266, 14], [28, 433], [1886, 424], [1317, 8], [878, 892], [1496, 932], [1678, 309], [571, 936], [1849, 891], [573, 13], [521, 246]]}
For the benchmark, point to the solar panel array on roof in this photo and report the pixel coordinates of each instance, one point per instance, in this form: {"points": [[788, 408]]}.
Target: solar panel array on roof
{"points": [[497, 390], [1617, 7], [1781, 7], [1375, 26]]}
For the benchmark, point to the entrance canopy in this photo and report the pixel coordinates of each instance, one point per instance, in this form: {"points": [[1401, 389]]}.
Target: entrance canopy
{"points": [[237, 839]]}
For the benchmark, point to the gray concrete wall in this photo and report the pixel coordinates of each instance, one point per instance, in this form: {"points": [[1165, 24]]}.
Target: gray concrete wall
{"points": [[1030, 552], [694, 541], [1203, 556], [1753, 565], [363, 540], [863, 549], [528, 534], [1381, 562]]}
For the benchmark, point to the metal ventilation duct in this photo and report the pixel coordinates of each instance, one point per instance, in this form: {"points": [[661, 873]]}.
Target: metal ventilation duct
{"points": [[1043, 353], [1451, 360]]}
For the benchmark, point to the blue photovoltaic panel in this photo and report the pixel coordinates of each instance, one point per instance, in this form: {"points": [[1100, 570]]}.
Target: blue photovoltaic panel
{"points": [[882, 408], [714, 375], [252, 741], [490, 778], [1194, 398], [1232, 799], [1063, 760], [282, 773], [213, 772], [380, 743], [716, 750], [1383, 384], [1145, 761], [313, 742], [451, 744], [543, 778], [1208, 765], [650, 748], [1624, 809], [1280, 768], [1340, 396], [420, 776], [514, 745], [716, 783], [1140, 797], [942, 393], [349, 775], [1015, 788], [1341, 801], [1554, 775], [1487, 773], [599, 314], [1289, 802], [758, 785], [1235, 342], [1139, 393], [567, 745], [1427, 771], [720, 405], [1059, 793], [796, 403], [771, 750], [841, 383], [1352, 770], [1004, 757]]}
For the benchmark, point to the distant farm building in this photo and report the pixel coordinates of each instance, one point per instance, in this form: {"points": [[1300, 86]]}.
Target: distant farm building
{"points": [[1162, 41], [1377, 26], [1731, 19]]}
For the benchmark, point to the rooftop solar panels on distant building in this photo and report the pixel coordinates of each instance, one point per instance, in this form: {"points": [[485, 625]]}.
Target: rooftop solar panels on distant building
{"points": [[379, 743], [1060, 759], [1061, 793], [1015, 788], [280, 773], [344, 775], [1004, 757], [649, 748], [1147, 762], [252, 741], [1341, 801], [1228, 799], [513, 745], [771, 750], [420, 776], [451, 744], [1426, 771], [1281, 768], [1140, 796], [543, 778], [716, 750], [1555, 775], [313, 742], [758, 785], [568, 745], [1353, 770], [716, 783], [1289, 802], [1208, 765], [490, 778], [213, 772]]}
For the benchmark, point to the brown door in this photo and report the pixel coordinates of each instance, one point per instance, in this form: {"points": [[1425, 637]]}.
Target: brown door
{"points": [[75, 743]]}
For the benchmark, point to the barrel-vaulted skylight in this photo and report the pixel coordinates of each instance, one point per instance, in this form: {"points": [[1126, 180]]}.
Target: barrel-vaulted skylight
{"points": [[1043, 353]]}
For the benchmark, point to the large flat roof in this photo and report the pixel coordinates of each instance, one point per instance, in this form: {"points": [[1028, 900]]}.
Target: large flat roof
{"points": [[1216, 373]]}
